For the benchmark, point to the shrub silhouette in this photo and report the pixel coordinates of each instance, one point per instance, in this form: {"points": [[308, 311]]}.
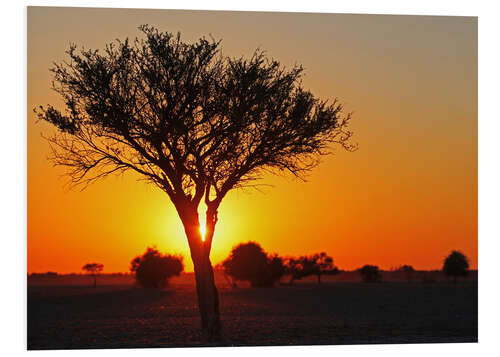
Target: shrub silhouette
{"points": [[456, 264], [370, 273], [93, 269], [46, 274], [249, 262], [153, 269], [408, 272], [317, 264]]}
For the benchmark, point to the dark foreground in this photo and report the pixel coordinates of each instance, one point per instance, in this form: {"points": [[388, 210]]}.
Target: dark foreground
{"points": [[121, 316]]}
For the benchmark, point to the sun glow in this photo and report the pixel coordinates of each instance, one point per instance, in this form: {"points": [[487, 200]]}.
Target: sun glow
{"points": [[203, 230]]}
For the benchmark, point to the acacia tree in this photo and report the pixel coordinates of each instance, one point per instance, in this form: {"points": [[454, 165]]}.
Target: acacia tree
{"points": [[324, 264], [93, 269], [191, 121]]}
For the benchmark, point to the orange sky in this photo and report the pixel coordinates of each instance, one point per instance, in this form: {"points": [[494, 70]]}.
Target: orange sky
{"points": [[407, 196]]}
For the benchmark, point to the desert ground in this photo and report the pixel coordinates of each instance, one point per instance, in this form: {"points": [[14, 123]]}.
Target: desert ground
{"points": [[67, 312]]}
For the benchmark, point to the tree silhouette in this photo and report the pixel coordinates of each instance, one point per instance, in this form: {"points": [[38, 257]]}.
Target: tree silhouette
{"points": [[93, 269], [294, 268], [456, 264], [370, 273], [249, 262], [153, 269], [192, 122], [324, 264], [275, 269], [303, 266]]}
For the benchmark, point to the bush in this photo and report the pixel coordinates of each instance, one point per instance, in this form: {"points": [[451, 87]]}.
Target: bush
{"points": [[408, 271], [370, 273], [153, 269], [249, 262], [456, 264]]}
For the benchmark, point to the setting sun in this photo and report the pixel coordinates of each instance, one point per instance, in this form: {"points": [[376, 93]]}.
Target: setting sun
{"points": [[203, 230]]}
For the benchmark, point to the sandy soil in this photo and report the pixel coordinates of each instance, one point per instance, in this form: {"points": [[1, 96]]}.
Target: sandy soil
{"points": [[119, 315]]}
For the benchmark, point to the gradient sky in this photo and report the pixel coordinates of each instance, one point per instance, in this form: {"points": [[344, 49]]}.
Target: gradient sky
{"points": [[408, 195]]}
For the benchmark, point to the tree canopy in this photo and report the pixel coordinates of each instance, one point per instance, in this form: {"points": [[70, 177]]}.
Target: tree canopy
{"points": [[186, 118], [93, 268]]}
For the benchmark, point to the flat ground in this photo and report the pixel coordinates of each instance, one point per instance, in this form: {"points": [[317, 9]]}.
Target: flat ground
{"points": [[72, 315]]}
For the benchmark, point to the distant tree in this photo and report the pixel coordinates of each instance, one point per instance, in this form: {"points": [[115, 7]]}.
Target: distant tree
{"points": [[276, 268], [191, 121], [317, 264], [293, 267], [408, 272], [370, 273], [249, 262], [153, 269], [93, 269], [324, 264], [456, 264]]}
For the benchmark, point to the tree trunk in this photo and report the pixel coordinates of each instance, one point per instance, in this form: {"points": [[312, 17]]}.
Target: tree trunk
{"points": [[208, 298], [319, 278], [95, 281]]}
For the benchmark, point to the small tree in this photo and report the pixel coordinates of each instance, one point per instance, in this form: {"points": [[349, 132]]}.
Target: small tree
{"points": [[153, 269], [249, 262], [408, 272], [370, 273], [324, 265], [93, 269], [317, 264], [456, 264]]}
